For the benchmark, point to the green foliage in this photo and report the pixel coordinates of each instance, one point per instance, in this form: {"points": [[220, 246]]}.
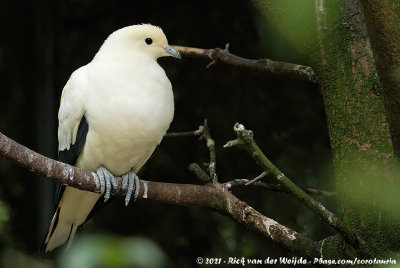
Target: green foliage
{"points": [[373, 200], [96, 251], [4, 216], [294, 19], [17, 259], [105, 251]]}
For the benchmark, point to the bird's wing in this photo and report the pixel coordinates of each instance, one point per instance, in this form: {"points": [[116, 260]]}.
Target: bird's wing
{"points": [[72, 132], [72, 109], [73, 126], [69, 156]]}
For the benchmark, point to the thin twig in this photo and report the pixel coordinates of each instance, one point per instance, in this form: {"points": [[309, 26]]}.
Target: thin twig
{"points": [[211, 147], [246, 137], [259, 177], [215, 197], [198, 132], [273, 187], [224, 56], [199, 172]]}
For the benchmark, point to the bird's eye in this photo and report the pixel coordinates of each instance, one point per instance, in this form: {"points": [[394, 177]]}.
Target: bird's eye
{"points": [[148, 41]]}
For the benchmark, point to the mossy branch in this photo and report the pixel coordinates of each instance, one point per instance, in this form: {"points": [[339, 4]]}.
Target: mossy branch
{"points": [[273, 187], [245, 137], [214, 196]]}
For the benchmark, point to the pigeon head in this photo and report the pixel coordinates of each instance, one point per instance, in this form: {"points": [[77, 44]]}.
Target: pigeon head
{"points": [[143, 38]]}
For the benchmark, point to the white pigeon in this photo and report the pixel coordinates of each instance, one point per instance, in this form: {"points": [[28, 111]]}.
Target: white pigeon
{"points": [[113, 113]]}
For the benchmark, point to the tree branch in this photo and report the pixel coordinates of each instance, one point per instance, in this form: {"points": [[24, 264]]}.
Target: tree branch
{"points": [[273, 187], [266, 65], [245, 138], [213, 197], [382, 19], [206, 135], [198, 132], [259, 177], [199, 172]]}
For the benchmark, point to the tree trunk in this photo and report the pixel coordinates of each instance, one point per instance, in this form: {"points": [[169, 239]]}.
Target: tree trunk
{"points": [[362, 148], [383, 23]]}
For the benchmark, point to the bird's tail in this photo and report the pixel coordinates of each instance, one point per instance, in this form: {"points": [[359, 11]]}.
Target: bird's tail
{"points": [[72, 210], [57, 236]]}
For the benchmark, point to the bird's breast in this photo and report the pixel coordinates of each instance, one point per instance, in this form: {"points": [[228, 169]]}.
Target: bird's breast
{"points": [[126, 122]]}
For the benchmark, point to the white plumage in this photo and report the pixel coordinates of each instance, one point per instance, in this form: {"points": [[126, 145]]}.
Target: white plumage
{"points": [[128, 103]]}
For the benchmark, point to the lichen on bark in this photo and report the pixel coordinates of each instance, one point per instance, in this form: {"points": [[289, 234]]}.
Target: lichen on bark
{"points": [[363, 155]]}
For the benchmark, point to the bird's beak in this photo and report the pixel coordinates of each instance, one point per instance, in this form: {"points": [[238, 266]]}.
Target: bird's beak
{"points": [[172, 52]]}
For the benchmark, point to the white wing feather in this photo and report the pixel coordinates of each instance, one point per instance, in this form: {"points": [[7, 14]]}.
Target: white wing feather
{"points": [[72, 108]]}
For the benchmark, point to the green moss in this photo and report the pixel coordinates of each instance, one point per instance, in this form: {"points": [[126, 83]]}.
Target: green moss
{"points": [[333, 248], [362, 149], [360, 140]]}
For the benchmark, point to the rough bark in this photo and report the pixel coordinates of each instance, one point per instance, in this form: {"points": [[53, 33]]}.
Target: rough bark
{"points": [[213, 196], [265, 65], [360, 140], [383, 20], [362, 151]]}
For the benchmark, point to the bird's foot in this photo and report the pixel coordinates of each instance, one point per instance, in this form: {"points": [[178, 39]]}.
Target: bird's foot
{"points": [[128, 180], [107, 181]]}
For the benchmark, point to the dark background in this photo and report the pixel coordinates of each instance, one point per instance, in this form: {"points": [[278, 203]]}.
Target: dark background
{"points": [[43, 42]]}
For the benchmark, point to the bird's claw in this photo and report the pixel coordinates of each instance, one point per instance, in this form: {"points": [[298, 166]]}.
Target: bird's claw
{"points": [[107, 181], [128, 181]]}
